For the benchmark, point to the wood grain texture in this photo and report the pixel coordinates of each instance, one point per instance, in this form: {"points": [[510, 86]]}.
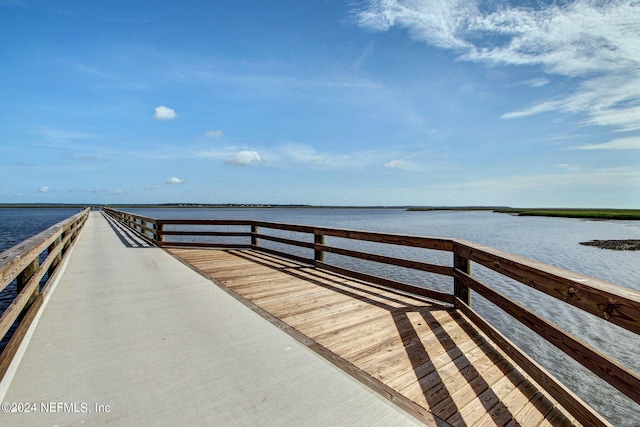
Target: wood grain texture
{"points": [[426, 357]]}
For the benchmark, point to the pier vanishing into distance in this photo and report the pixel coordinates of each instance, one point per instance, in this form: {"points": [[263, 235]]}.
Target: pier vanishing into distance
{"points": [[130, 320]]}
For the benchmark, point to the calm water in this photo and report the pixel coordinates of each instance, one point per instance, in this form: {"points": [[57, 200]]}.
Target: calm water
{"points": [[550, 240]]}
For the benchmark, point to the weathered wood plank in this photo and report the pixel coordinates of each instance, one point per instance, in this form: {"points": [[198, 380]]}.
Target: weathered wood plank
{"points": [[272, 292], [437, 358], [407, 333], [424, 356], [351, 308], [561, 393], [340, 328], [534, 412], [474, 399], [343, 284], [303, 303], [265, 259], [427, 293], [501, 413]]}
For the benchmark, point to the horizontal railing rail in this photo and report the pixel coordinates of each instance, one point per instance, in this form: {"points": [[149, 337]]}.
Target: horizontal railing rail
{"points": [[22, 264], [608, 302]]}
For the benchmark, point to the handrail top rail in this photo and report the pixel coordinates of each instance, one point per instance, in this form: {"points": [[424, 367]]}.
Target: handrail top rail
{"points": [[16, 252], [550, 271], [435, 243], [146, 218]]}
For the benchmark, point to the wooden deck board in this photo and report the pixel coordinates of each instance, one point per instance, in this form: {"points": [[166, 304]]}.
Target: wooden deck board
{"points": [[426, 356]]}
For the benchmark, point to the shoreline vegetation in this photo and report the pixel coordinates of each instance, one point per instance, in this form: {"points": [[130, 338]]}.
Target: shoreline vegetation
{"points": [[616, 245], [621, 214]]}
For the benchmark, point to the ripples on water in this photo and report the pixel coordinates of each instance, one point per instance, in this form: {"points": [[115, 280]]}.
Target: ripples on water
{"points": [[551, 240]]}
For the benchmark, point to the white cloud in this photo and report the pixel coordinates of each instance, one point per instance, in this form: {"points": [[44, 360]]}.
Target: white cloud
{"points": [[244, 158], [595, 41], [174, 180], [214, 134], [631, 143], [43, 189], [164, 113], [435, 24]]}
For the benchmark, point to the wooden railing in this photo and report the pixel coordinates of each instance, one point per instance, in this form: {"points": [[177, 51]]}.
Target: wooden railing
{"points": [[606, 301], [24, 264]]}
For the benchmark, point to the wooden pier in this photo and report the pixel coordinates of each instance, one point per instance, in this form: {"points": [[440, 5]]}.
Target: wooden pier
{"points": [[426, 351]]}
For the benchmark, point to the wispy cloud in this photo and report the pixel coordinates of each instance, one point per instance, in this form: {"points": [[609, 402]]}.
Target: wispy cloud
{"points": [[569, 168], [631, 143], [306, 155], [596, 42], [539, 82], [13, 3], [62, 134], [214, 134], [43, 189], [591, 182], [401, 164], [86, 69], [265, 77]]}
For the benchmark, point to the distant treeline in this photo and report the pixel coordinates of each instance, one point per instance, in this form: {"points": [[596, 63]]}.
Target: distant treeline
{"points": [[626, 214], [632, 214]]}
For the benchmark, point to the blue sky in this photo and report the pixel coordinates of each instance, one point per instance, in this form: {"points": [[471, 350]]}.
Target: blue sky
{"points": [[323, 102]]}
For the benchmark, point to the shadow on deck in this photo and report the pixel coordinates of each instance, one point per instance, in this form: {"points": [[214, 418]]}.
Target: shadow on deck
{"points": [[426, 357]]}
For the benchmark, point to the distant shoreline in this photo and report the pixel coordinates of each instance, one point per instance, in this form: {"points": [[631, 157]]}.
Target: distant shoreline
{"points": [[603, 214], [586, 213]]}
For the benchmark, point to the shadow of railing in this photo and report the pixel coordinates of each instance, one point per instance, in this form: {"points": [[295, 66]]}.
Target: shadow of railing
{"points": [[433, 386], [126, 236]]}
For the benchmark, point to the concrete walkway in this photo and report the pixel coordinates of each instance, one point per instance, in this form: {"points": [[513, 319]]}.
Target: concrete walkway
{"points": [[130, 336]]}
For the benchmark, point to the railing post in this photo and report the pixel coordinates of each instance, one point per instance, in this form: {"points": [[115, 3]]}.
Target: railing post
{"points": [[255, 242], [27, 273], [159, 231], [58, 257], [459, 290], [318, 254]]}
